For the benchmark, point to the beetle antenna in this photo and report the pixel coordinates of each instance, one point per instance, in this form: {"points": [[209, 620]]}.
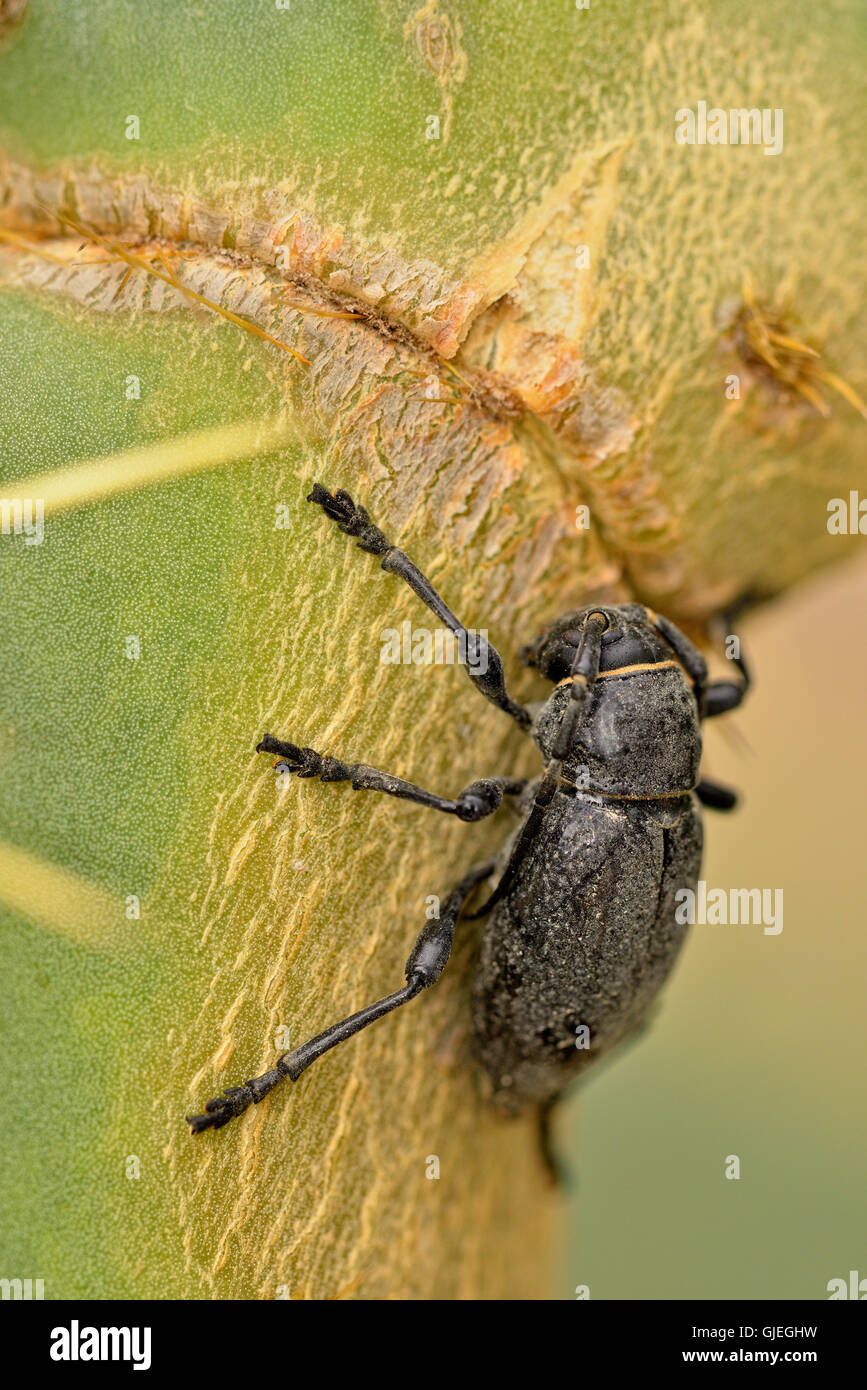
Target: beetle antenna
{"points": [[585, 669]]}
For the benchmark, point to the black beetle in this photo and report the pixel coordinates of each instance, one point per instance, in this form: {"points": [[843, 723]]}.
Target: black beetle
{"points": [[582, 931]]}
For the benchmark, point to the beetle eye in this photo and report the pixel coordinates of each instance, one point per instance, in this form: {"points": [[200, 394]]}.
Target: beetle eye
{"points": [[613, 634]]}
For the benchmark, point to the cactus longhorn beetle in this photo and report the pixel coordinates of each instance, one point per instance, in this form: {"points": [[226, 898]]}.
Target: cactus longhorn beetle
{"points": [[581, 927]]}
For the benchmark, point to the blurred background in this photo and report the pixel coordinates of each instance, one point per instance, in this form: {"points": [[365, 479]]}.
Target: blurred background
{"points": [[758, 1047]]}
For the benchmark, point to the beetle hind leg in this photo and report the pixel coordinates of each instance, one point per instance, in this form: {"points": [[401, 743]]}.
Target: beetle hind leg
{"points": [[427, 961], [559, 1175]]}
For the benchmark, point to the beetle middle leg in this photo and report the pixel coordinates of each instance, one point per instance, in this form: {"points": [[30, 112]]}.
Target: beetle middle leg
{"points": [[427, 961], [476, 801], [716, 796]]}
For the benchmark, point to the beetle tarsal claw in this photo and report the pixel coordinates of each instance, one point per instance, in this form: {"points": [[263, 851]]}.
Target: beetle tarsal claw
{"points": [[219, 1111]]}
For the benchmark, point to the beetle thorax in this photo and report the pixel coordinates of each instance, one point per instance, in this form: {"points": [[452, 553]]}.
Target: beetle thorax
{"points": [[639, 735]]}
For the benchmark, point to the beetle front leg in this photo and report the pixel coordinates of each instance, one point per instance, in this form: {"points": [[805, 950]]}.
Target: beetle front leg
{"points": [[479, 799], [484, 665]]}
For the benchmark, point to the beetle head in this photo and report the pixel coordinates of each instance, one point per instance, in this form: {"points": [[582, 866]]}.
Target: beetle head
{"points": [[629, 638]]}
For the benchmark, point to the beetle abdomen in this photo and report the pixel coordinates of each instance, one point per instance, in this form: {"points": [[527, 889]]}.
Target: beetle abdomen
{"points": [[584, 939]]}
